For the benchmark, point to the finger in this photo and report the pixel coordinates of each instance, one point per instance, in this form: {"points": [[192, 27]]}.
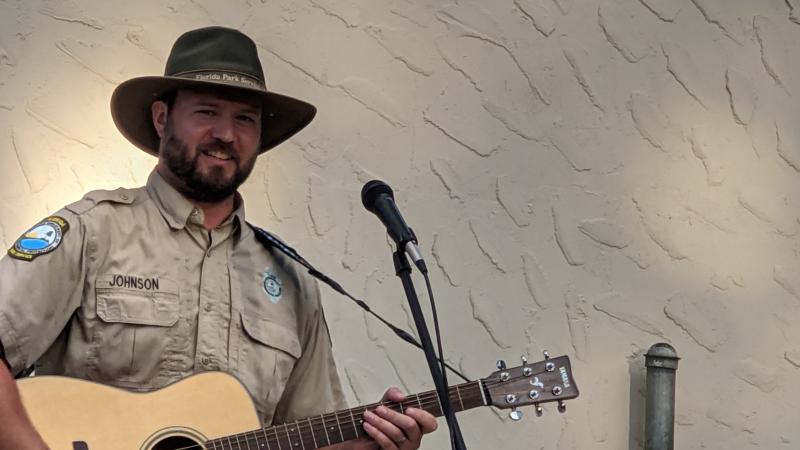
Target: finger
{"points": [[388, 426], [407, 424], [384, 441], [394, 394], [426, 421]]}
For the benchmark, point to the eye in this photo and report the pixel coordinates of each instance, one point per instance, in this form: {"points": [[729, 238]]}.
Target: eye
{"points": [[207, 112], [248, 119]]}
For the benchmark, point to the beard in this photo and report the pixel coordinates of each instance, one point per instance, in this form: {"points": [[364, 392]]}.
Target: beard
{"points": [[209, 186]]}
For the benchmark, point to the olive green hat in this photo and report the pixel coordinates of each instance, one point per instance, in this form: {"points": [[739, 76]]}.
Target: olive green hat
{"points": [[213, 56]]}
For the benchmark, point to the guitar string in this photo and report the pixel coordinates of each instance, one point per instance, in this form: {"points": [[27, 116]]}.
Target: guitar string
{"points": [[429, 399], [349, 424]]}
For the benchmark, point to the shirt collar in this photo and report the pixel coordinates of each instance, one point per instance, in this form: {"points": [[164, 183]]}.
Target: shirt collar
{"points": [[178, 210]]}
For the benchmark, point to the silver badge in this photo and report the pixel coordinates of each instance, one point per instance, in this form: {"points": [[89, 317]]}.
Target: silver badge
{"points": [[273, 286]]}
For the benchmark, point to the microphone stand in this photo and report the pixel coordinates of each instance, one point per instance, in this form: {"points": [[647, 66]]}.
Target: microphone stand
{"points": [[403, 271]]}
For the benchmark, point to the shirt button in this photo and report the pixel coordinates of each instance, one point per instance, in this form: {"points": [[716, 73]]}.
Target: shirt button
{"points": [[207, 307], [208, 254], [205, 361]]}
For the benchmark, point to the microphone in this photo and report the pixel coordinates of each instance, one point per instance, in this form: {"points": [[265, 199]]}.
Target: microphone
{"points": [[378, 198]]}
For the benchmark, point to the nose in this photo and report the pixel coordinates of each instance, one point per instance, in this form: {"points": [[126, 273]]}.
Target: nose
{"points": [[223, 129]]}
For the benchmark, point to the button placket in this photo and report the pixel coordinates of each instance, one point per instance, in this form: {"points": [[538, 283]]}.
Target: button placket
{"points": [[213, 321]]}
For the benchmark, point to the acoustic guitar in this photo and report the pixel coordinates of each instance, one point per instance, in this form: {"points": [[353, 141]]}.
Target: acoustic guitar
{"points": [[212, 410]]}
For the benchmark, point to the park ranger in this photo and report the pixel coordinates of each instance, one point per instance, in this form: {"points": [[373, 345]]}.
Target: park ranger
{"points": [[138, 288]]}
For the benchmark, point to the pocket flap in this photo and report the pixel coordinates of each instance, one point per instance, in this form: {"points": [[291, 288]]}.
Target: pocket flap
{"points": [[271, 334], [137, 300]]}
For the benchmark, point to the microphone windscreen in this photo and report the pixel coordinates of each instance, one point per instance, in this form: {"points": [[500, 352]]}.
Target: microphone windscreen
{"points": [[372, 190]]}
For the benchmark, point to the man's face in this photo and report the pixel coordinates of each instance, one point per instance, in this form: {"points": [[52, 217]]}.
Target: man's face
{"points": [[209, 144]]}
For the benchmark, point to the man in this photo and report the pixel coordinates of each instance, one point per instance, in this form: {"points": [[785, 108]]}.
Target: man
{"points": [[138, 288]]}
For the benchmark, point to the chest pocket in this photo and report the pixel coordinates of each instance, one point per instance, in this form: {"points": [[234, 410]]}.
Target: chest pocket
{"points": [[134, 317], [267, 354]]}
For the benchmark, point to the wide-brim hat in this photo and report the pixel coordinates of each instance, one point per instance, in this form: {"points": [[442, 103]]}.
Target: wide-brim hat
{"points": [[207, 57]]}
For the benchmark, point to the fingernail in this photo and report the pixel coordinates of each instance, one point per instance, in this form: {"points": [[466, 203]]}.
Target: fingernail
{"points": [[369, 415], [381, 409]]}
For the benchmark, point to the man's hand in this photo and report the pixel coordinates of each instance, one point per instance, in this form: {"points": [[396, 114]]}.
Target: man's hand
{"points": [[391, 430]]}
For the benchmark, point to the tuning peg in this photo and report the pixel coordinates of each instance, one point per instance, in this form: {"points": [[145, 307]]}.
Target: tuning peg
{"points": [[524, 359], [546, 354], [501, 364], [515, 415], [539, 410], [562, 408]]}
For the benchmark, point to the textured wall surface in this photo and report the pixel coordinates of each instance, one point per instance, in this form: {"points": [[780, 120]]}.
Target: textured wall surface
{"points": [[587, 177]]}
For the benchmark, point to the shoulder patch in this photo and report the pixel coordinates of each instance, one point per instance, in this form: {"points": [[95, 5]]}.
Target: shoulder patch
{"points": [[93, 198], [42, 238]]}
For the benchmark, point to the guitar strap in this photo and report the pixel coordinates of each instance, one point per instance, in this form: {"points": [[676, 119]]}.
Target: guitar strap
{"points": [[270, 241]]}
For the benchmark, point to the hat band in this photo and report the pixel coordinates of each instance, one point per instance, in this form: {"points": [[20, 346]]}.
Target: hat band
{"points": [[217, 76]]}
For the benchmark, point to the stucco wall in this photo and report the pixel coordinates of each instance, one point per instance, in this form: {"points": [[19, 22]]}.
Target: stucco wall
{"points": [[587, 177]]}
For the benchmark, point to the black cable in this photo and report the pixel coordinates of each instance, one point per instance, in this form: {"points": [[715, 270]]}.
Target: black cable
{"points": [[438, 336]]}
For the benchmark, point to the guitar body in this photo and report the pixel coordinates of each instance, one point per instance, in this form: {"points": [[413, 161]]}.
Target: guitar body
{"points": [[73, 414]]}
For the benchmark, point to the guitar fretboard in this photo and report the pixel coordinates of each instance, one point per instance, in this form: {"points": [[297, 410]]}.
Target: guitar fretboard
{"points": [[328, 429]]}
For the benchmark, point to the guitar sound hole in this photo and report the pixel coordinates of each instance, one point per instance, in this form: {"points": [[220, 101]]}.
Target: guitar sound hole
{"points": [[177, 442]]}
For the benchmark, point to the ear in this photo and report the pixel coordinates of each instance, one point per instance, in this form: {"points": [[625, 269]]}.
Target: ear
{"points": [[159, 112]]}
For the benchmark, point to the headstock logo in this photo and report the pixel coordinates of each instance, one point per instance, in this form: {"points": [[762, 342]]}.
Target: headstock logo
{"points": [[564, 376]]}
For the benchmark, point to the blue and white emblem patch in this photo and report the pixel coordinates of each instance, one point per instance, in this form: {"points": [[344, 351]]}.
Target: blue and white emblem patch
{"points": [[273, 286], [43, 238]]}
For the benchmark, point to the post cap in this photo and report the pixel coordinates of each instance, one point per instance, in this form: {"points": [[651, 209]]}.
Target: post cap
{"points": [[662, 355]]}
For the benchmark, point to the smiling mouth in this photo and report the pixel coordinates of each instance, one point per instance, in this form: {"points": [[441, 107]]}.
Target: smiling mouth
{"points": [[217, 155]]}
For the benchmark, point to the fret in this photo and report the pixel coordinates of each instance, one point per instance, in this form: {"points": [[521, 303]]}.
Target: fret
{"points": [[461, 400], [230, 443], [277, 438], [420, 403], [402, 411], [341, 433], [247, 441], [288, 436], [299, 437], [313, 433], [266, 439], [483, 394], [325, 427], [355, 427]]}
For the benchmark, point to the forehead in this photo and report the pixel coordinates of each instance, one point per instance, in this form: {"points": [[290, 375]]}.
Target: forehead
{"points": [[238, 97]]}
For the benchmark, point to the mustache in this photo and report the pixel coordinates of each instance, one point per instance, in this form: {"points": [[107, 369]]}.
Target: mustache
{"points": [[218, 146]]}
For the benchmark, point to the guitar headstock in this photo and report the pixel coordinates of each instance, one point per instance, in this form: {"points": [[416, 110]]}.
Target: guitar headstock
{"points": [[549, 380]]}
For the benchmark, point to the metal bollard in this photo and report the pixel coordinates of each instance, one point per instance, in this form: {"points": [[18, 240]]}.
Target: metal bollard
{"points": [[659, 425]]}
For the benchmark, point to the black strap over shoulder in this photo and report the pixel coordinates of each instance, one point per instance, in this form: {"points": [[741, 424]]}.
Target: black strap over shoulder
{"points": [[269, 241]]}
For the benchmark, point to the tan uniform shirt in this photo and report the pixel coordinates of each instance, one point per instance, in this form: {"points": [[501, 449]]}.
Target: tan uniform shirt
{"points": [[138, 295]]}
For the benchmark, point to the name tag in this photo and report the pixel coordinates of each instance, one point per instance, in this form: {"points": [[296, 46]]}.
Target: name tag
{"points": [[135, 283]]}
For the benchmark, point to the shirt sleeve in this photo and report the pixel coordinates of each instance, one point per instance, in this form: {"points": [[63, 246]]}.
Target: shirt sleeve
{"points": [[40, 287], [314, 387]]}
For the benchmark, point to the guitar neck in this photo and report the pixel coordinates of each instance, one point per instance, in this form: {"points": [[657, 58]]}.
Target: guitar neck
{"points": [[340, 426]]}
